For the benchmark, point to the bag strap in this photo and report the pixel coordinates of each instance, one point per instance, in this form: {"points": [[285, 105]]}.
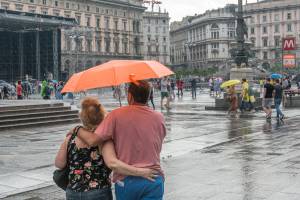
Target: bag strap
{"points": [[74, 134]]}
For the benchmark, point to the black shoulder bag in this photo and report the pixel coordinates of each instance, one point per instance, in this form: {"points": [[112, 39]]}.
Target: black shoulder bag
{"points": [[61, 176]]}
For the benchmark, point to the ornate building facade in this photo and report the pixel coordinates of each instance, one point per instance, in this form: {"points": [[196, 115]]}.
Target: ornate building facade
{"points": [[205, 39], [178, 41], [105, 30], [156, 36], [270, 21]]}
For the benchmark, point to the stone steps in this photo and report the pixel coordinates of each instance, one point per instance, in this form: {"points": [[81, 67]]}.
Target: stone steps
{"points": [[26, 116], [33, 106], [37, 114]]}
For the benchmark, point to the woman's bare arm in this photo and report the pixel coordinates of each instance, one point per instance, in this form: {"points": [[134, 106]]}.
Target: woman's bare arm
{"points": [[61, 156], [111, 160]]}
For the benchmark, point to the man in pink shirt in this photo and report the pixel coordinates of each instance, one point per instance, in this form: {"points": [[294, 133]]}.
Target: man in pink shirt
{"points": [[138, 133]]}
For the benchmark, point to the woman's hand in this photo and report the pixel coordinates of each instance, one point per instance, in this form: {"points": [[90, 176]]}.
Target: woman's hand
{"points": [[147, 173]]}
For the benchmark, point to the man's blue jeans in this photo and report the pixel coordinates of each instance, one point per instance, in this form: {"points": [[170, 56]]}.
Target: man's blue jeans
{"points": [[138, 188], [277, 107]]}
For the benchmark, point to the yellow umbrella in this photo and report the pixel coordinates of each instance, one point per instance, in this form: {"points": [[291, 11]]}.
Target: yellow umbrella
{"points": [[230, 83]]}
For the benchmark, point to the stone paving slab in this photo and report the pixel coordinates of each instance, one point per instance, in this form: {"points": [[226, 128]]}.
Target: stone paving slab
{"points": [[233, 170], [204, 156]]}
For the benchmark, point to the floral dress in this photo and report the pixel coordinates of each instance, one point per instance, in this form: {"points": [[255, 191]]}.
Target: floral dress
{"points": [[87, 168]]}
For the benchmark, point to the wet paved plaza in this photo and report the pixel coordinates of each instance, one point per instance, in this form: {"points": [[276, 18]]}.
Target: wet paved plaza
{"points": [[206, 155]]}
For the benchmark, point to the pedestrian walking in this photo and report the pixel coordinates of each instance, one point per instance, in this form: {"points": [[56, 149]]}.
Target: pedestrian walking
{"points": [[211, 84], [251, 98], [58, 90], [5, 94], [48, 91], [278, 99], [151, 95], [43, 89], [172, 89], [179, 84], [217, 87], [19, 90], [194, 88], [244, 96], [89, 175], [164, 84], [268, 98], [232, 97], [25, 89], [137, 132]]}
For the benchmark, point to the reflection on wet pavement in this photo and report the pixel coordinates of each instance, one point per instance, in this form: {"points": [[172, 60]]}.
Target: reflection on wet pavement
{"points": [[208, 155]]}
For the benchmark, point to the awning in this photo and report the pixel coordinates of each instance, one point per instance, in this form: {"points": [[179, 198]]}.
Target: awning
{"points": [[23, 21]]}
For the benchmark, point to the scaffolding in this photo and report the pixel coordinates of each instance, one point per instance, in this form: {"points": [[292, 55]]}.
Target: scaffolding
{"points": [[30, 45]]}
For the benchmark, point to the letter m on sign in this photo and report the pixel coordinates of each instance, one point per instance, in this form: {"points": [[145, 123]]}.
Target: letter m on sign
{"points": [[289, 44]]}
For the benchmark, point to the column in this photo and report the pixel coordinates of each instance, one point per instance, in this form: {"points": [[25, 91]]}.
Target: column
{"points": [[21, 54], [38, 56], [55, 54]]}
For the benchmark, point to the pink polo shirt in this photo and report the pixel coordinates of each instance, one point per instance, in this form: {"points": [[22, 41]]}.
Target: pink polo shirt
{"points": [[138, 133]]}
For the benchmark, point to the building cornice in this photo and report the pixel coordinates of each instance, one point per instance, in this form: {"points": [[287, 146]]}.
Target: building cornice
{"points": [[120, 3], [202, 23], [275, 8], [35, 18]]}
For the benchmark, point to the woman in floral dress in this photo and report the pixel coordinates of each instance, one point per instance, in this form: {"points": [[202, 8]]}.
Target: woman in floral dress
{"points": [[89, 177]]}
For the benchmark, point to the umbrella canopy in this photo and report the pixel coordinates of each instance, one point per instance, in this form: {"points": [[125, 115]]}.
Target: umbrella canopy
{"points": [[276, 76], [116, 72], [230, 83], [71, 84]]}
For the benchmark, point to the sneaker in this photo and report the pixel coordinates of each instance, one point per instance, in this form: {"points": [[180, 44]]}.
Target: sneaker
{"points": [[282, 117]]}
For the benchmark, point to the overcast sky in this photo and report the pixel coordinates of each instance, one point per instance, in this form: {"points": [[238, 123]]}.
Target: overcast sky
{"points": [[180, 8]]}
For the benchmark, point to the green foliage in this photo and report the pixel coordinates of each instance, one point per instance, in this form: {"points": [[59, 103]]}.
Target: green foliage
{"points": [[276, 68], [196, 72]]}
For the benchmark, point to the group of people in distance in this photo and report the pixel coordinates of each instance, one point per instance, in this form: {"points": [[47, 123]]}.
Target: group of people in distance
{"points": [[127, 141], [271, 92], [167, 91]]}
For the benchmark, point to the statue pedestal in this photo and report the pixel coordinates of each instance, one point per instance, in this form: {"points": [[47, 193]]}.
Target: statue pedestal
{"points": [[240, 73]]}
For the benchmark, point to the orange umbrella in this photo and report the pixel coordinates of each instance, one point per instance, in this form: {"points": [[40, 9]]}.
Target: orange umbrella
{"points": [[116, 72], [71, 84]]}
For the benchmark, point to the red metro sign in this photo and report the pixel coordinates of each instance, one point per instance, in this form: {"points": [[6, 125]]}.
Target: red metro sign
{"points": [[289, 44]]}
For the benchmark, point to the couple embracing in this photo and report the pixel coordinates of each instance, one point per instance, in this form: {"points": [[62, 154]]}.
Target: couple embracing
{"points": [[127, 141]]}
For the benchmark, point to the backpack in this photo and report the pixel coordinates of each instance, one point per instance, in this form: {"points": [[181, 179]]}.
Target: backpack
{"points": [[250, 91], [47, 90]]}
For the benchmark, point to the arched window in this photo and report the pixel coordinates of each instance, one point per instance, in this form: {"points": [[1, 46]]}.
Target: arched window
{"points": [[214, 26], [215, 31]]}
